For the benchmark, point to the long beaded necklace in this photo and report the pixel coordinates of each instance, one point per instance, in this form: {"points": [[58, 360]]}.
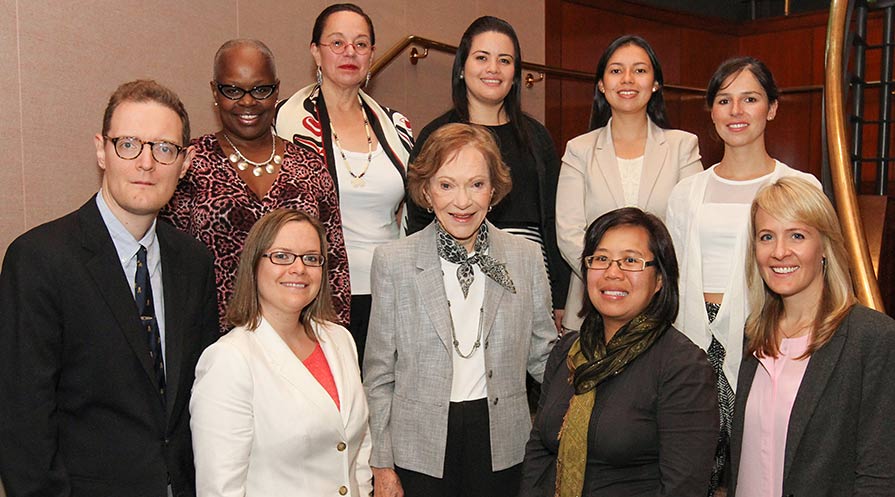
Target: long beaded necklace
{"points": [[242, 163], [357, 180]]}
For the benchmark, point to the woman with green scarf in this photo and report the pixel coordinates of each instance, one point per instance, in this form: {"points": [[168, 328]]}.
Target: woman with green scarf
{"points": [[628, 406]]}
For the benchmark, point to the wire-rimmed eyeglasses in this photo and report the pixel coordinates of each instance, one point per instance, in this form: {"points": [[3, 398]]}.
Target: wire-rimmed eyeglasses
{"points": [[338, 47]]}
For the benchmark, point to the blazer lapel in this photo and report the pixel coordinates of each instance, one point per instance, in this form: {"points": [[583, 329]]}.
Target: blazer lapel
{"points": [[607, 164], [655, 156], [111, 283], [817, 375], [285, 363], [493, 291], [340, 370], [430, 286], [175, 288], [748, 367]]}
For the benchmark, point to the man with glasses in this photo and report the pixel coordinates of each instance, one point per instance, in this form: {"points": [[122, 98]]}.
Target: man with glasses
{"points": [[104, 314]]}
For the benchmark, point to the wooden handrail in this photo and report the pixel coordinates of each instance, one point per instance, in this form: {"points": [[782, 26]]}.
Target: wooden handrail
{"points": [[866, 286], [530, 79], [392, 53]]}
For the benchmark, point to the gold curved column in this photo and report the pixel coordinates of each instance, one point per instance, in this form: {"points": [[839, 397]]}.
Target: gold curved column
{"points": [[866, 286]]}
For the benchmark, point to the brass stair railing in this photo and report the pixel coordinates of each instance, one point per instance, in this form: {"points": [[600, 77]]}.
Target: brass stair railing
{"points": [[866, 286], [529, 79]]}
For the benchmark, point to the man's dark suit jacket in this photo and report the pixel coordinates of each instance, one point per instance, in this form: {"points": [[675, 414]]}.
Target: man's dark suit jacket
{"points": [[841, 435], [81, 409]]}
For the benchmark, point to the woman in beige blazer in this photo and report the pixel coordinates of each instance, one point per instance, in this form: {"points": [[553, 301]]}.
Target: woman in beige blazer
{"points": [[629, 158], [278, 407], [461, 310]]}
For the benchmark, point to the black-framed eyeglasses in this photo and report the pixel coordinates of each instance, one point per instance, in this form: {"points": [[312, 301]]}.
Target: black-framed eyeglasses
{"points": [[130, 147], [631, 264], [260, 92], [338, 47], [281, 258]]}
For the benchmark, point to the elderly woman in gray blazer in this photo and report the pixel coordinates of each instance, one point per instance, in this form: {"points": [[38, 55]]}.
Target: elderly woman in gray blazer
{"points": [[460, 311], [815, 396]]}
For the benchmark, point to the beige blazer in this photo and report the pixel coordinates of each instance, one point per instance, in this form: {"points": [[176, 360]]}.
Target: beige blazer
{"points": [[264, 426], [590, 185]]}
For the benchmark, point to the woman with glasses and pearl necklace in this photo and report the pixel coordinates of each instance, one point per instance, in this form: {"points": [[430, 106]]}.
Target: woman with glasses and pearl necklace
{"points": [[461, 310], [365, 146], [244, 171]]}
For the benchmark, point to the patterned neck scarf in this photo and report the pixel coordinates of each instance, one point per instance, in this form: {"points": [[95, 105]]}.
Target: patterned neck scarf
{"points": [[609, 359], [451, 251]]}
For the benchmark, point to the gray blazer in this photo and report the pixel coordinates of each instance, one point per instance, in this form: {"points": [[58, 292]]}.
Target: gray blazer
{"points": [[408, 365], [841, 436]]}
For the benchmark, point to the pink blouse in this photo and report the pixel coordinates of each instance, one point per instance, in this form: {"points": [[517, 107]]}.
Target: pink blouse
{"points": [[768, 407], [319, 368]]}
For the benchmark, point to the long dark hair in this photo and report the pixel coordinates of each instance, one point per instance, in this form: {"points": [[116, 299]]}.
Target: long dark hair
{"points": [[512, 103], [600, 111], [664, 304]]}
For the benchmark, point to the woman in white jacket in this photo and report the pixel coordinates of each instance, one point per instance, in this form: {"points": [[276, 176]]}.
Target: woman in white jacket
{"points": [[708, 217], [277, 406]]}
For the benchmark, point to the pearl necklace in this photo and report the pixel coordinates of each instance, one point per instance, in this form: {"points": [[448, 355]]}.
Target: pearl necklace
{"points": [[357, 180], [242, 163]]}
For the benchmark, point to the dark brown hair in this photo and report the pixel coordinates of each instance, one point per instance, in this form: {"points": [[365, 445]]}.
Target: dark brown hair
{"points": [[320, 22]]}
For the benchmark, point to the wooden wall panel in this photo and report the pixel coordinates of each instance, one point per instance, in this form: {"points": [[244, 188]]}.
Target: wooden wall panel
{"points": [[690, 49]]}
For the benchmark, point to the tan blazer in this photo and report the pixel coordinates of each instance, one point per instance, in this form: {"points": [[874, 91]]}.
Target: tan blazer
{"points": [[263, 425], [590, 185]]}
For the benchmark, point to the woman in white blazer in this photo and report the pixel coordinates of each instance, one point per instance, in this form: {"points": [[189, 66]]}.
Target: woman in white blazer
{"points": [[629, 158], [708, 218], [277, 406]]}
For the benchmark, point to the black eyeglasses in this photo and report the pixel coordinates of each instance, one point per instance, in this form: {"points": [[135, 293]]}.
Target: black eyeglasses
{"points": [[288, 258], [631, 264], [260, 92], [130, 147], [338, 46]]}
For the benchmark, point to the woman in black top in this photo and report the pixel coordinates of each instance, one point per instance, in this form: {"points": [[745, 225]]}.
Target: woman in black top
{"points": [[638, 415], [486, 89]]}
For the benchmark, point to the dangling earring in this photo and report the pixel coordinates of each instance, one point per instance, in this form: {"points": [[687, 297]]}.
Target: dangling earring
{"points": [[367, 82], [319, 76], [823, 263], [461, 74]]}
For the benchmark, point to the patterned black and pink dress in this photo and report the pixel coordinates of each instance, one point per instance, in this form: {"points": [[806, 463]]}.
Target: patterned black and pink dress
{"points": [[216, 206]]}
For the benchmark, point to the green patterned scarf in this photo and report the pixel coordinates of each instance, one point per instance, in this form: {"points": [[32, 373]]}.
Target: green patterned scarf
{"points": [[609, 359]]}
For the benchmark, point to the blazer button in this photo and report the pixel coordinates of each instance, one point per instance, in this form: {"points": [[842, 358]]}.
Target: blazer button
{"points": [[490, 373], [343, 490], [495, 400], [486, 344], [341, 446]]}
